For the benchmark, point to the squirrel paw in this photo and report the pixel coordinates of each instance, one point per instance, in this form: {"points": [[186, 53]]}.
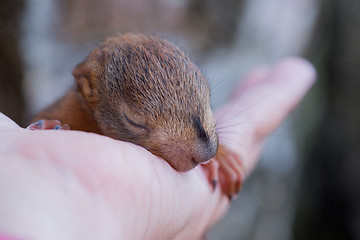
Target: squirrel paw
{"points": [[227, 169], [48, 124]]}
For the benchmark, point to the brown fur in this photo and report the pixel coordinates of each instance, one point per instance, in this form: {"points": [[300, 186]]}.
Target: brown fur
{"points": [[146, 91]]}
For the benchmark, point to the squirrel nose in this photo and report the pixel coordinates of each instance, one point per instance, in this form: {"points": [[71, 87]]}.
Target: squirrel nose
{"points": [[205, 152], [202, 158]]}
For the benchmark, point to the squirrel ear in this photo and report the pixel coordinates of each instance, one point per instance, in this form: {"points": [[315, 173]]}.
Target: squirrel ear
{"points": [[85, 75], [80, 73]]}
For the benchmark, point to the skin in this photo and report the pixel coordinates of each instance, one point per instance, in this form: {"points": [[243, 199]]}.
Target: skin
{"points": [[118, 190]]}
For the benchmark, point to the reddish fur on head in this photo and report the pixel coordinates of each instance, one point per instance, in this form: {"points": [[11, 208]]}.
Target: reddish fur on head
{"points": [[146, 91]]}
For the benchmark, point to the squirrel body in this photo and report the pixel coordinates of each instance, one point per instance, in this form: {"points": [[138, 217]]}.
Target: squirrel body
{"points": [[142, 89]]}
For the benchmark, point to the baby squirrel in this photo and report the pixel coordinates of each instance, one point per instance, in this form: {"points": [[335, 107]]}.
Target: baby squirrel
{"points": [[145, 90]]}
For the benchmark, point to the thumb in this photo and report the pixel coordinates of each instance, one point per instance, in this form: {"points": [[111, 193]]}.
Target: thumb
{"points": [[6, 122]]}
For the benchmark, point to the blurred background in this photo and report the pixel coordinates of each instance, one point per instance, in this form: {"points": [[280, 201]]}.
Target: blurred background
{"points": [[307, 185]]}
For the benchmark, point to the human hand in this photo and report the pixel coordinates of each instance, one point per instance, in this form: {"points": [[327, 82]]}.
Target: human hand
{"points": [[77, 185]]}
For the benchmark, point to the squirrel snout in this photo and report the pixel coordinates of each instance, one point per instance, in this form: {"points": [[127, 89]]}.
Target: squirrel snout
{"points": [[183, 158], [205, 152]]}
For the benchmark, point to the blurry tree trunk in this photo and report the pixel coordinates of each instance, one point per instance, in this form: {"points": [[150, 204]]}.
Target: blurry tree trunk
{"points": [[11, 69], [329, 204]]}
